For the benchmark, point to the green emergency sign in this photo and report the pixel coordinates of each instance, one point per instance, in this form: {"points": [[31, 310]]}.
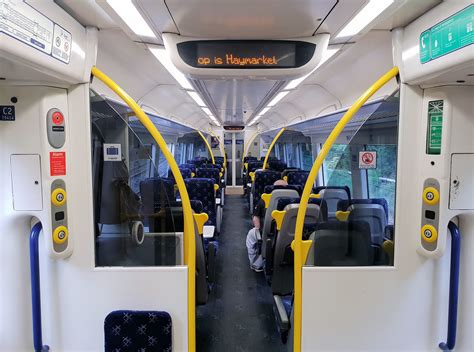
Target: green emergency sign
{"points": [[435, 126], [452, 34]]}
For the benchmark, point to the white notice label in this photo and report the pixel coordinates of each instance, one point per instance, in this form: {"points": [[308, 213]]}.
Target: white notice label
{"points": [[367, 160], [62, 44], [20, 21]]}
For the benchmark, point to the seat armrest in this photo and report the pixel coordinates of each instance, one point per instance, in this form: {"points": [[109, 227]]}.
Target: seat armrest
{"points": [[280, 314]]}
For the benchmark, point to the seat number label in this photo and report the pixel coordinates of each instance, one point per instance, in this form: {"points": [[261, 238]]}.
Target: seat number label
{"points": [[7, 113]]}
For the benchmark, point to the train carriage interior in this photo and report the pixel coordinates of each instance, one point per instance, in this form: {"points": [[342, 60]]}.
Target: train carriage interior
{"points": [[204, 175]]}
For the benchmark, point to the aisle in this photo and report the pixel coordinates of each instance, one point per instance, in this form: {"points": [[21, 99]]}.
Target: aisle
{"points": [[239, 315]]}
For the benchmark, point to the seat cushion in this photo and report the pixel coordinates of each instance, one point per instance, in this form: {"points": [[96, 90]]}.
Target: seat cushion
{"points": [[127, 330]]}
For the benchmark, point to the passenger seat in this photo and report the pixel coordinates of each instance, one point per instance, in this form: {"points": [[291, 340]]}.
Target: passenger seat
{"points": [[332, 195]]}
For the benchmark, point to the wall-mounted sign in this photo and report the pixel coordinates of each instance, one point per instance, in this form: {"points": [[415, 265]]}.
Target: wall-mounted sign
{"points": [[7, 113], [435, 127], [237, 54], [452, 34], [112, 152], [367, 160]]}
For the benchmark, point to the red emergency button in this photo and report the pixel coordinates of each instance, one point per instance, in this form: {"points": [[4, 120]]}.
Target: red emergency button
{"points": [[58, 118]]}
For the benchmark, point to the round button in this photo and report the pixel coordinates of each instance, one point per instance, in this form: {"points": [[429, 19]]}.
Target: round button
{"points": [[60, 234], [57, 118], [58, 197], [431, 196], [429, 233]]}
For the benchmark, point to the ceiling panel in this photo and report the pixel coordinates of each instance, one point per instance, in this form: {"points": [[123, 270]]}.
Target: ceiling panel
{"points": [[244, 19], [87, 13], [236, 100]]}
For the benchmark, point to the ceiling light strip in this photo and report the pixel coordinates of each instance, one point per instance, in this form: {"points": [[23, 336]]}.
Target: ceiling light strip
{"points": [[130, 15]]}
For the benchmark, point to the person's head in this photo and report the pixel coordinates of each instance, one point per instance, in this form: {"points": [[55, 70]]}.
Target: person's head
{"points": [[280, 183]]}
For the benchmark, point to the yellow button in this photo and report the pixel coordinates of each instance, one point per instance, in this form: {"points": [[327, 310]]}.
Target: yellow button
{"points": [[429, 233], [60, 234], [58, 197], [431, 196]]}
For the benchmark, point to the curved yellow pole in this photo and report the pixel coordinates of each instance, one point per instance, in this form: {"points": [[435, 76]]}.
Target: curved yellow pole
{"points": [[299, 246], [247, 146], [271, 147], [221, 147], [208, 146], [189, 236]]}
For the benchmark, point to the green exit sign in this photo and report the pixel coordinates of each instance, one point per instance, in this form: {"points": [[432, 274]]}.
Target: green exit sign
{"points": [[452, 34]]}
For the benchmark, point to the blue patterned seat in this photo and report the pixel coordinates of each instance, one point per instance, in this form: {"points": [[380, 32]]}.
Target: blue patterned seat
{"points": [[185, 172], [209, 173], [277, 165], [202, 189], [189, 166], [263, 178], [127, 331], [297, 177]]}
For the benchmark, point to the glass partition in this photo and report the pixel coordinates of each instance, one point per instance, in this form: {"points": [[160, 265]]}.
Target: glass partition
{"points": [[138, 221]]}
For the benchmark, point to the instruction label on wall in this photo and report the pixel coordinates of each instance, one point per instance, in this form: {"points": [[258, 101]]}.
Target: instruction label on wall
{"points": [[367, 160], [22, 22], [112, 152], [57, 163], [7, 113], [435, 127], [452, 34]]}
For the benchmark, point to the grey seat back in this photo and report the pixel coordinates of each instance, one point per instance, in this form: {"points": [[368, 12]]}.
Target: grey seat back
{"points": [[267, 223], [282, 279], [332, 196], [341, 244], [202, 288], [374, 215]]}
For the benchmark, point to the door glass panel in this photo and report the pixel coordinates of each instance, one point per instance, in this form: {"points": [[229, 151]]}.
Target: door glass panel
{"points": [[138, 221]]}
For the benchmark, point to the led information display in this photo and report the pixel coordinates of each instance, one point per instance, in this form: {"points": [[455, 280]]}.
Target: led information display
{"points": [[248, 54]]}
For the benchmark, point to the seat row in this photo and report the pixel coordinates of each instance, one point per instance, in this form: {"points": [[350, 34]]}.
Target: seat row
{"points": [[344, 231]]}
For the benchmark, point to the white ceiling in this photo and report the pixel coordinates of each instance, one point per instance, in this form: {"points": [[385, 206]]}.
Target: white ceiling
{"points": [[332, 86]]}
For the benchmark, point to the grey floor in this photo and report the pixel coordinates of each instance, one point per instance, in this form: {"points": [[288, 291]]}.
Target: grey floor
{"points": [[238, 316]]}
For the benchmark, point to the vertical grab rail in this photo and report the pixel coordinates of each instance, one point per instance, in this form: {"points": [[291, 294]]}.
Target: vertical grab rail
{"points": [[453, 288], [36, 289]]}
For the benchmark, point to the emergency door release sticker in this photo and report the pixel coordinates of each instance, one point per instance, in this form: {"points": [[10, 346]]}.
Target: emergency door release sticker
{"points": [[57, 163], [22, 22], [112, 152], [367, 160]]}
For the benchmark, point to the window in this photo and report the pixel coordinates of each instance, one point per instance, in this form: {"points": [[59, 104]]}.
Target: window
{"points": [[337, 167], [382, 179], [306, 157]]}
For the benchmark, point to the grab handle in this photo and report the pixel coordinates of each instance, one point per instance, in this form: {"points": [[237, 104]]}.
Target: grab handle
{"points": [[36, 289], [453, 287]]}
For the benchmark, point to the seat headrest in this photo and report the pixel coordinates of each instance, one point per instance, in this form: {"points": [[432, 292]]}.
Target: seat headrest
{"points": [[344, 204], [271, 188], [283, 202], [318, 189]]}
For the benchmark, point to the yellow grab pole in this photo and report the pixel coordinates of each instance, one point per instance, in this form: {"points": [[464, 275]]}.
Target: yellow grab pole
{"points": [[271, 147], [208, 146], [189, 239], [221, 147], [247, 146], [299, 246]]}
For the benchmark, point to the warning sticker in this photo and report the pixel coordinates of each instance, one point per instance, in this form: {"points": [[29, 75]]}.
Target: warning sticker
{"points": [[57, 163], [367, 160]]}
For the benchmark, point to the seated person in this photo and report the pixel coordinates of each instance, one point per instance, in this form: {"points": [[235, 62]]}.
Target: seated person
{"points": [[253, 236]]}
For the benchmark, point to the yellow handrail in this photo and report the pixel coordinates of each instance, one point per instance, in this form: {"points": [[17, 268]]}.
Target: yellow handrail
{"points": [[208, 146], [299, 246], [189, 237], [247, 146], [221, 147], [271, 147]]}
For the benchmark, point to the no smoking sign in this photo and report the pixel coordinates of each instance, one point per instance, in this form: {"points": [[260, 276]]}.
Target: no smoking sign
{"points": [[367, 160]]}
